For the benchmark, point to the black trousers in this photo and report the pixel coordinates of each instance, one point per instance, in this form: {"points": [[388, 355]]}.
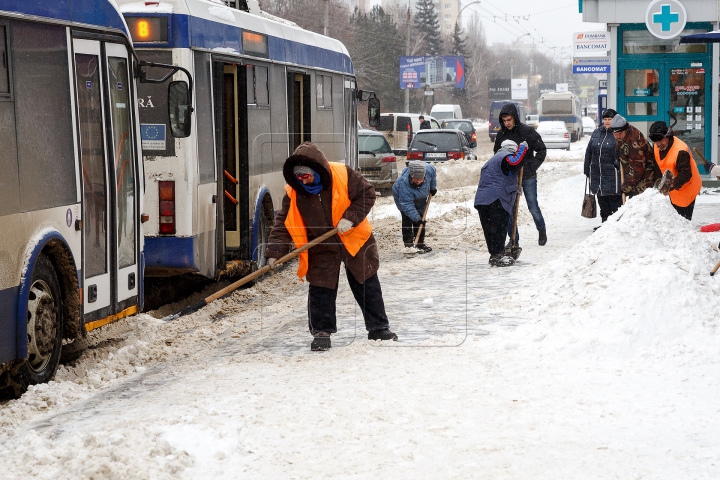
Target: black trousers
{"points": [[609, 204], [685, 211], [494, 220], [368, 295], [410, 229]]}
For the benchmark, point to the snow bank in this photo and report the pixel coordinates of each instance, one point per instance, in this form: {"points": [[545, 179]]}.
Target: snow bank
{"points": [[640, 285]]}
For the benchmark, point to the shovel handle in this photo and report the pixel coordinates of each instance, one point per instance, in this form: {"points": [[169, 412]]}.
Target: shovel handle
{"points": [[715, 269], [427, 206], [252, 276], [517, 206]]}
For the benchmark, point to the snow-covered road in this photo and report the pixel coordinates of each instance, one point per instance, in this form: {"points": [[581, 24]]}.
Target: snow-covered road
{"points": [[596, 356]]}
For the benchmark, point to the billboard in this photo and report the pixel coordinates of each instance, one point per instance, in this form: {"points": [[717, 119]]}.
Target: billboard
{"points": [[519, 89], [499, 89], [546, 88], [433, 72]]}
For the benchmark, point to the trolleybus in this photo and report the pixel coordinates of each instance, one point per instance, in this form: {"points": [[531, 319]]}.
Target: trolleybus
{"points": [[263, 85]]}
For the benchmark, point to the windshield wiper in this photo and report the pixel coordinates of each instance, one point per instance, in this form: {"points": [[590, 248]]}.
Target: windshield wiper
{"points": [[364, 152], [428, 143]]}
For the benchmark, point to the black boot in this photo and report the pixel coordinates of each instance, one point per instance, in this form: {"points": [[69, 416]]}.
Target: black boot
{"points": [[321, 342], [542, 239], [382, 335], [423, 248]]}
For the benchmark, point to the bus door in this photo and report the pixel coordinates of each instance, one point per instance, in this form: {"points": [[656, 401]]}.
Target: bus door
{"points": [[230, 91], [107, 162], [299, 111]]}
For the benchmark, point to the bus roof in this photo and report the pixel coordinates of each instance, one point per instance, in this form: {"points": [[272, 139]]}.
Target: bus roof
{"points": [[99, 13], [211, 25]]}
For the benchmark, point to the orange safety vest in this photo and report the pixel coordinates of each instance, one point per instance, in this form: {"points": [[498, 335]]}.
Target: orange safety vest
{"points": [[687, 193], [353, 239]]}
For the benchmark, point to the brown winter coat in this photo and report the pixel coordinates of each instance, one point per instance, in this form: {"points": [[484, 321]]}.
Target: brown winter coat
{"points": [[638, 162], [324, 259]]}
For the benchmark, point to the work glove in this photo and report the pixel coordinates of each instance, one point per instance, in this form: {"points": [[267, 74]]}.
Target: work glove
{"points": [[433, 191], [666, 183], [708, 167], [271, 263], [344, 225]]}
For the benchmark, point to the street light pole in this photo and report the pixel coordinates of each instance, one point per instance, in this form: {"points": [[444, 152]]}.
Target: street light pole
{"points": [[477, 2], [407, 53]]}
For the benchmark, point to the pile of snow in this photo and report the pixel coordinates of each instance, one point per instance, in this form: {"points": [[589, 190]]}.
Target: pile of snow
{"points": [[640, 285]]}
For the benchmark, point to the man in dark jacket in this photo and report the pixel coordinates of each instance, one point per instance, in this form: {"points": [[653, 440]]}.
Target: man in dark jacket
{"points": [[424, 124], [316, 193], [411, 192], [512, 129], [600, 161]]}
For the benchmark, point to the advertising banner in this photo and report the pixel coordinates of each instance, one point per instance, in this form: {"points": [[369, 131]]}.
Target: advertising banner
{"points": [[499, 89], [519, 89], [433, 72], [582, 65]]}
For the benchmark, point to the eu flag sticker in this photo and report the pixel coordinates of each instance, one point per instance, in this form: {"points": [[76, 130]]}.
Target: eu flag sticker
{"points": [[153, 136]]}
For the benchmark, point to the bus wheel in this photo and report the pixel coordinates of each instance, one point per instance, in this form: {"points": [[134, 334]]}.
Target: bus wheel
{"points": [[44, 327]]}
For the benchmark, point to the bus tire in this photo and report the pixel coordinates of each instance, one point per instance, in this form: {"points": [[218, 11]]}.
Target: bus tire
{"points": [[44, 330], [264, 227]]}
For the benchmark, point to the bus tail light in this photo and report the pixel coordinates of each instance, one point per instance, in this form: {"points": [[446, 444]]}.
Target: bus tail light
{"points": [[166, 192], [415, 155]]}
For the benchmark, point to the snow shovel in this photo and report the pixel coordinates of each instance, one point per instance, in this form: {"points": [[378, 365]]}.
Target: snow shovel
{"points": [[514, 249], [417, 236], [252, 276]]}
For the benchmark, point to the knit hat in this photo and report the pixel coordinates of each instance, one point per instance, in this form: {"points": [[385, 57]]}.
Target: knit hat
{"points": [[417, 169], [302, 169], [658, 131], [619, 124], [609, 113], [509, 145]]}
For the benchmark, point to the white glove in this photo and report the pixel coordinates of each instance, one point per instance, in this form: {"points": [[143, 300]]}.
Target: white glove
{"points": [[715, 171], [344, 225], [271, 263]]}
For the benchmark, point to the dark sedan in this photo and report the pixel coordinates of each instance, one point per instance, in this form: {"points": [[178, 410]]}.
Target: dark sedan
{"points": [[464, 126], [439, 146]]}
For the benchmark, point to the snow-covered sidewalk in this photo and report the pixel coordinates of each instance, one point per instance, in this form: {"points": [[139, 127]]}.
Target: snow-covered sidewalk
{"points": [[596, 356]]}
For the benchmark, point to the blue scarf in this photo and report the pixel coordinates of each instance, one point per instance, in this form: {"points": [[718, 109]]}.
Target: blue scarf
{"points": [[315, 187]]}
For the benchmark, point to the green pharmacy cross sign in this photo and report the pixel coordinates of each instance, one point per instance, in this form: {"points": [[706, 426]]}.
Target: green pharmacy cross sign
{"points": [[665, 18]]}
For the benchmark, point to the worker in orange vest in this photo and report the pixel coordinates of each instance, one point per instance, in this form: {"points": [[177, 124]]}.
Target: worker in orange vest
{"points": [[322, 195], [672, 154]]}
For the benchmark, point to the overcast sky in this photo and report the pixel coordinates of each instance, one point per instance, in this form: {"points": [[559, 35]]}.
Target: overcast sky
{"points": [[551, 22]]}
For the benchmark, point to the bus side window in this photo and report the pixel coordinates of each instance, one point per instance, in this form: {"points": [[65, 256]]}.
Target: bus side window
{"points": [[4, 65]]}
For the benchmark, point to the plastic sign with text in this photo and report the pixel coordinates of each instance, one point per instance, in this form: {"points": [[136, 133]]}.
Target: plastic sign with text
{"points": [[434, 72], [585, 65], [588, 43]]}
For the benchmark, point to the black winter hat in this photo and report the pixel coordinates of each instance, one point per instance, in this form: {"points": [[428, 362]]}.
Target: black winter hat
{"points": [[609, 113], [658, 131]]}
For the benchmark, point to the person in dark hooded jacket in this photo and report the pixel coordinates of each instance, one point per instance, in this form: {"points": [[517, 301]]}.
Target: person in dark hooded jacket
{"points": [[321, 195], [600, 160], [512, 129]]}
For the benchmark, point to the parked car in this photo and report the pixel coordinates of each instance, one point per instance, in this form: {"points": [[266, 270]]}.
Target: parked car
{"points": [[439, 146], [376, 160], [532, 120], [494, 120], [399, 129], [588, 125], [554, 134], [465, 126]]}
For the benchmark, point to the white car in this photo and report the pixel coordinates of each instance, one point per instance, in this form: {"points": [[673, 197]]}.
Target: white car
{"points": [[588, 125], [554, 134]]}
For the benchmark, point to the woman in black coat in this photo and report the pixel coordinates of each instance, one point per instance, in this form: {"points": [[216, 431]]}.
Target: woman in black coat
{"points": [[600, 160]]}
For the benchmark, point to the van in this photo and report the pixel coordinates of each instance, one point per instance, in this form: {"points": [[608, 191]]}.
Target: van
{"points": [[399, 129], [494, 121], [446, 111]]}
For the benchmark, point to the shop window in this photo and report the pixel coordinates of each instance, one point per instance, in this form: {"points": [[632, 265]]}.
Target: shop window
{"points": [[636, 42], [642, 82], [642, 108]]}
